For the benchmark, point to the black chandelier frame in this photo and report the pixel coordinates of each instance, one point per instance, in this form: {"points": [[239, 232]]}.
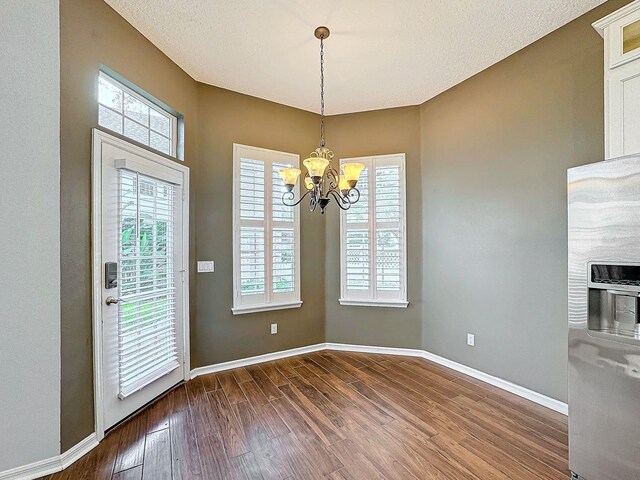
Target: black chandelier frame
{"points": [[322, 190]]}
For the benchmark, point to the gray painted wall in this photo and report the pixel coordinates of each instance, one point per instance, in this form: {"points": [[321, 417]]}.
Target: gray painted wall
{"points": [[495, 150], [396, 130], [489, 256], [486, 163], [30, 232], [93, 34], [224, 118]]}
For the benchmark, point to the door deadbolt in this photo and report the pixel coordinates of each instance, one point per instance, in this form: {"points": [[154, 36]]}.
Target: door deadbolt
{"points": [[110, 275]]}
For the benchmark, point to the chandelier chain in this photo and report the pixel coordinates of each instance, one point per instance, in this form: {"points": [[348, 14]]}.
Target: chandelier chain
{"points": [[322, 91]]}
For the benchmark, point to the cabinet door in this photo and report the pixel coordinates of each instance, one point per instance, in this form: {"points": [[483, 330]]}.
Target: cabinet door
{"points": [[623, 39], [623, 115]]}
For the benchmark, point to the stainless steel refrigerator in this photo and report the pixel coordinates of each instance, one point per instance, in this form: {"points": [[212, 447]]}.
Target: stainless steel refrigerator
{"points": [[604, 333]]}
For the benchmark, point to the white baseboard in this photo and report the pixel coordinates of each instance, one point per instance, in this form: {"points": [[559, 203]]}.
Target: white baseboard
{"points": [[267, 357], [53, 464], [514, 388], [519, 390], [33, 470], [348, 347], [78, 450], [60, 462]]}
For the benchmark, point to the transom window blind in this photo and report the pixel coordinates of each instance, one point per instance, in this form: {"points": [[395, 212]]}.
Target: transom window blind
{"points": [[147, 345], [266, 233], [373, 236]]}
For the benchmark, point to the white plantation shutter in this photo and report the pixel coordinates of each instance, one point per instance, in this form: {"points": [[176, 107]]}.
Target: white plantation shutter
{"points": [[147, 345], [281, 213], [252, 226], [252, 187], [252, 265], [266, 233], [388, 228], [283, 271], [358, 271], [283, 251], [373, 236]]}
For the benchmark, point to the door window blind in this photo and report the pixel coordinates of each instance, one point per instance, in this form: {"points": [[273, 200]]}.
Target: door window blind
{"points": [[147, 345], [266, 232], [373, 244]]}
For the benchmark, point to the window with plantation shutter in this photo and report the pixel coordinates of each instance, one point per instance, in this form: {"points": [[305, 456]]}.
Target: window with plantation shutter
{"points": [[373, 236], [266, 233]]}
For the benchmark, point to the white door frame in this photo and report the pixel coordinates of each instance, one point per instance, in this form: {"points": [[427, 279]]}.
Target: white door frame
{"points": [[99, 138]]}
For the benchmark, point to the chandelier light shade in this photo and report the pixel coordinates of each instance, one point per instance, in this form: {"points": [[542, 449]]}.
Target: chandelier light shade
{"points": [[316, 167], [352, 172], [322, 181], [290, 176], [343, 184]]}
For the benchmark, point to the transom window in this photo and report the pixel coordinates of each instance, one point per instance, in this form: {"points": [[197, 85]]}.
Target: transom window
{"points": [[124, 111], [373, 236], [266, 233]]}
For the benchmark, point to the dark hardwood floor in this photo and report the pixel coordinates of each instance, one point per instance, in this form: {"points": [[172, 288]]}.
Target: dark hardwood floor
{"points": [[334, 415]]}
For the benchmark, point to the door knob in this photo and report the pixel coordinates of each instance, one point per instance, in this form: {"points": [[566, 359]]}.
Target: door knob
{"points": [[112, 300]]}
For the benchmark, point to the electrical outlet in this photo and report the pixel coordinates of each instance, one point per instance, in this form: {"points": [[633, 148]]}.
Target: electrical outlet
{"points": [[206, 266], [274, 328], [471, 339]]}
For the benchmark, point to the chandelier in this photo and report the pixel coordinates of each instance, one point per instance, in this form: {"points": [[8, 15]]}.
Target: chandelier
{"points": [[322, 181]]}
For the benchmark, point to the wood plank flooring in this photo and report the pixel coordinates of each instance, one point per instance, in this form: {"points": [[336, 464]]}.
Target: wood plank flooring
{"points": [[334, 415]]}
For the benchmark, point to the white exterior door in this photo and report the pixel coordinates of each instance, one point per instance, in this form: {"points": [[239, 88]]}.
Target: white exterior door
{"points": [[140, 289]]}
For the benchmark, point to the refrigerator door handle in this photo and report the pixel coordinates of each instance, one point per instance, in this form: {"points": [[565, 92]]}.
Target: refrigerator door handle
{"points": [[624, 292]]}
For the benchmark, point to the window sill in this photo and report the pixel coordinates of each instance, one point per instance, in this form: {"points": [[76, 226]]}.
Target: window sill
{"points": [[265, 308], [374, 303]]}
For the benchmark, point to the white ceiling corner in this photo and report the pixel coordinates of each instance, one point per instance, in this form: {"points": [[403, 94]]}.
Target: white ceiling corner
{"points": [[380, 54]]}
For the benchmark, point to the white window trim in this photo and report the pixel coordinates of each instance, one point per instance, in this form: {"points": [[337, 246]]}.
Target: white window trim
{"points": [[270, 156], [265, 307], [373, 300], [374, 303], [150, 104]]}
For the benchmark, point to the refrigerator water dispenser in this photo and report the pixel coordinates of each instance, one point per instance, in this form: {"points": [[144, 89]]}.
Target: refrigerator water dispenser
{"points": [[614, 302]]}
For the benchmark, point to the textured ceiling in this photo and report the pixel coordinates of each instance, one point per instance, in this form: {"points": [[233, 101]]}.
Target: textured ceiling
{"points": [[381, 53]]}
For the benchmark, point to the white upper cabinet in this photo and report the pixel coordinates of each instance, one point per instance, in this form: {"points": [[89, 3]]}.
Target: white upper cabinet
{"points": [[621, 32]]}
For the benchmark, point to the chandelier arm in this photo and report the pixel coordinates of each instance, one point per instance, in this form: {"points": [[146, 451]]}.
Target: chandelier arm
{"points": [[354, 189], [340, 201], [313, 203], [289, 196], [332, 178], [345, 198]]}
